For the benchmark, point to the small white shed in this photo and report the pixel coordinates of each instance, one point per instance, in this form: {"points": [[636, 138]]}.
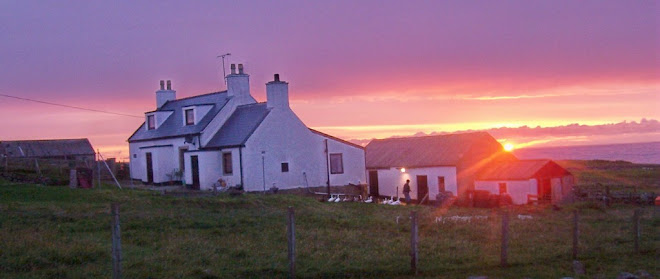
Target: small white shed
{"points": [[526, 180]]}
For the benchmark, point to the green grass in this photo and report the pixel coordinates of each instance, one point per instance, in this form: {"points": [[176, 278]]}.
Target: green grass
{"points": [[618, 175], [57, 232]]}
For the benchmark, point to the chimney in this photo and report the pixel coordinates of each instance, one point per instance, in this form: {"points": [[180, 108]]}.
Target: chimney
{"points": [[277, 93], [238, 84], [163, 95]]}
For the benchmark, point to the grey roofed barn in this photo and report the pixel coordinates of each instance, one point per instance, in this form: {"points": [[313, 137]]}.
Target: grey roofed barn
{"points": [[53, 148]]}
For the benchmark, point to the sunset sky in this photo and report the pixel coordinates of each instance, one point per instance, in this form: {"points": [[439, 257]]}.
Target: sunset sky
{"points": [[357, 69]]}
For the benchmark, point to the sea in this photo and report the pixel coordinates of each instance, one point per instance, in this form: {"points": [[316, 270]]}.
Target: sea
{"points": [[641, 153]]}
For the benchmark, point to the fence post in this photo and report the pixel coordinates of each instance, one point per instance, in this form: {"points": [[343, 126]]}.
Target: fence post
{"points": [[291, 236], [636, 230], [576, 234], [6, 170], [116, 242], [413, 242], [505, 240], [98, 167]]}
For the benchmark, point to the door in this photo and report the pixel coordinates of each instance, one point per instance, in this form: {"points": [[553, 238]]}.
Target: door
{"points": [[150, 169], [373, 183], [194, 167], [441, 184], [422, 187], [544, 190]]}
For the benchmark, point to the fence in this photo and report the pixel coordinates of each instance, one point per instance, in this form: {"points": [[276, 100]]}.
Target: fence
{"points": [[516, 233], [56, 171]]}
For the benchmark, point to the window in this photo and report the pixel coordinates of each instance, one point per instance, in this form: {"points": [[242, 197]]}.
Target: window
{"points": [[285, 167], [151, 122], [227, 167], [502, 188], [190, 117], [336, 163], [441, 184], [134, 155]]}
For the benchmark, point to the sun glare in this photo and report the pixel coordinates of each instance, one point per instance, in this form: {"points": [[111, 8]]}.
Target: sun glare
{"points": [[508, 147]]}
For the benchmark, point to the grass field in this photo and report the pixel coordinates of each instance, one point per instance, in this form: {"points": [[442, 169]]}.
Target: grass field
{"points": [[57, 232], [618, 175]]}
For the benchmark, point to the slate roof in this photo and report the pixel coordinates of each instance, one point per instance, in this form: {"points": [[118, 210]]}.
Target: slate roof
{"points": [[173, 126], [426, 151], [513, 170], [240, 126], [46, 148]]}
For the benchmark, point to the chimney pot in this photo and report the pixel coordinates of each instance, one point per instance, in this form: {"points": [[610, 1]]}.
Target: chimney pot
{"points": [[233, 69], [240, 69], [162, 85], [277, 77], [169, 85]]}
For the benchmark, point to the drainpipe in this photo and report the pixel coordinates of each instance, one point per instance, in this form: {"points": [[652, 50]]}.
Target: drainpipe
{"points": [[263, 169], [240, 162], [327, 166]]}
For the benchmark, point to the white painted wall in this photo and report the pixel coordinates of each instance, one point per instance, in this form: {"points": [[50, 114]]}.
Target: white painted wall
{"points": [[353, 160], [390, 179], [213, 168], [517, 189], [165, 159], [284, 138], [210, 168]]}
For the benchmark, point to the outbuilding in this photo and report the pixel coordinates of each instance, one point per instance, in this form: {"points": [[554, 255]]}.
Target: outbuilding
{"points": [[526, 180], [433, 164], [69, 149]]}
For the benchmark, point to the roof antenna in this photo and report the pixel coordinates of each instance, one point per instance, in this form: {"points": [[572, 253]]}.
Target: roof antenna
{"points": [[224, 73]]}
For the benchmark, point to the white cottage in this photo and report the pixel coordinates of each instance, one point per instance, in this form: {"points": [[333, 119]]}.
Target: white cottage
{"points": [[526, 180], [229, 135], [431, 163]]}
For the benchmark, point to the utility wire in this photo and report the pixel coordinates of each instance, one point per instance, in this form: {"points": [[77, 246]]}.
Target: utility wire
{"points": [[68, 106]]}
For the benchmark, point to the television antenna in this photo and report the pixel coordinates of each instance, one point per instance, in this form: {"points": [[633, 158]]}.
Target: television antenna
{"points": [[224, 74]]}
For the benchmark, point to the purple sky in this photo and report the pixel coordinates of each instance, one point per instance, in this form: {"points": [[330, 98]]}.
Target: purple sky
{"points": [[421, 65]]}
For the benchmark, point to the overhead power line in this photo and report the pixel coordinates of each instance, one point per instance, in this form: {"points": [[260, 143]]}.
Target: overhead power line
{"points": [[68, 106]]}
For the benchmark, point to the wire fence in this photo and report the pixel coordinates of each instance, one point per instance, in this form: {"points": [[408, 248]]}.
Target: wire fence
{"points": [[433, 242], [57, 171]]}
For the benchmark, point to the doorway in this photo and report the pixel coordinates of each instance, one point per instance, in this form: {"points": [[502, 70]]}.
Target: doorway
{"points": [[373, 183], [150, 169], [441, 184], [544, 190], [422, 187], [194, 167]]}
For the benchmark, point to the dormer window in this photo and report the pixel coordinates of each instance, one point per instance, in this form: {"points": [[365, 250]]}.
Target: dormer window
{"points": [[190, 116], [151, 122]]}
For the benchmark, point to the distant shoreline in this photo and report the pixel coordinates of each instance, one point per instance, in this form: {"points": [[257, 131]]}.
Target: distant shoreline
{"points": [[591, 145], [640, 153]]}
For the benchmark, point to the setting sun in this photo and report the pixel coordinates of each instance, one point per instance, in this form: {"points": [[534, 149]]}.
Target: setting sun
{"points": [[508, 147]]}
